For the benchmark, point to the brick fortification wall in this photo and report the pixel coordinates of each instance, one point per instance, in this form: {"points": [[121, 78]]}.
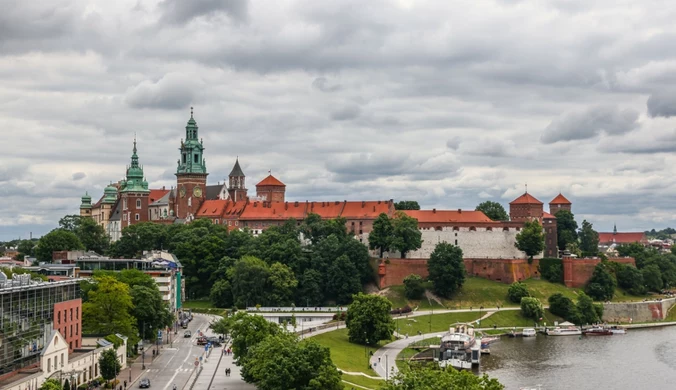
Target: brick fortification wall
{"points": [[576, 272], [637, 311]]}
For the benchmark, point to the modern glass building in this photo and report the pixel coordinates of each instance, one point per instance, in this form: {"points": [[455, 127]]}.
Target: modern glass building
{"points": [[29, 311]]}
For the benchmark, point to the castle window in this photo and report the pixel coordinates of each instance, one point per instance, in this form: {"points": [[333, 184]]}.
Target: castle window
{"points": [[138, 203], [124, 217], [456, 242], [456, 234], [236, 223], [124, 204], [360, 232], [138, 217], [216, 222], [196, 159], [505, 229], [489, 229], [229, 223], [183, 158], [438, 228], [472, 229], [455, 228]]}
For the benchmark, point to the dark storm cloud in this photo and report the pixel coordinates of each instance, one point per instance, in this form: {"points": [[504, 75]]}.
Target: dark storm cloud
{"points": [[79, 176], [181, 11], [643, 144], [580, 125], [662, 104]]}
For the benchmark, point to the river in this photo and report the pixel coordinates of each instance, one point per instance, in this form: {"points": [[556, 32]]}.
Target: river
{"points": [[640, 359]]}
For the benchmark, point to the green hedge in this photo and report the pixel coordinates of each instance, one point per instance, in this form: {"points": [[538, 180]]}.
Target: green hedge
{"points": [[551, 269]]}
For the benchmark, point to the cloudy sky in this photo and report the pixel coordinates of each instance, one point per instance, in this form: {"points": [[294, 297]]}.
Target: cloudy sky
{"points": [[447, 103]]}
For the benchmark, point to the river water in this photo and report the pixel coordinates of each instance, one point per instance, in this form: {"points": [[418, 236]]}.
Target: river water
{"points": [[639, 359]]}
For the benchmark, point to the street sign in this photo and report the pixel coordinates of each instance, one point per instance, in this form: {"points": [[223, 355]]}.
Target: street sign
{"points": [[206, 347], [159, 334], [197, 363]]}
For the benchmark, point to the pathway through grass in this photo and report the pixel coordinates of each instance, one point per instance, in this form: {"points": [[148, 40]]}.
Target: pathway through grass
{"points": [[348, 356]]}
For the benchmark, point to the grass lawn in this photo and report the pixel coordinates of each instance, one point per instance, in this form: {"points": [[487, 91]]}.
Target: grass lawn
{"points": [[197, 304], [362, 381], [671, 316], [509, 318], [402, 358], [398, 298], [440, 322], [346, 355]]}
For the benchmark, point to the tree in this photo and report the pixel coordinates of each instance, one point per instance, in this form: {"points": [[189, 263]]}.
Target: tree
{"points": [[281, 362], [26, 248], [406, 235], [368, 319], [343, 280], [566, 228], [51, 384], [248, 279], [108, 308], [109, 365], [222, 326], [406, 205], [56, 240], [516, 291], [221, 294], [531, 239], [601, 285], [413, 286], [446, 269], [652, 277], [630, 279], [310, 291], [282, 285], [70, 222], [532, 308], [433, 378], [585, 309], [92, 235], [589, 239], [382, 234], [246, 332], [493, 210], [150, 311], [563, 307]]}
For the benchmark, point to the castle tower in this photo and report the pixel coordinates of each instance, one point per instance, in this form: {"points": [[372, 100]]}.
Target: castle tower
{"points": [[86, 206], [525, 208], [236, 185], [134, 193], [191, 173], [271, 190], [559, 203]]}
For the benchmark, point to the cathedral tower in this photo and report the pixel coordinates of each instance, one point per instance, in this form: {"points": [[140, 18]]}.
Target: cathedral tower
{"points": [[236, 186], [191, 174], [134, 193]]}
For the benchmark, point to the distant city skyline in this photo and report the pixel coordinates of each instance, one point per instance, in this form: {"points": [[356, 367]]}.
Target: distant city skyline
{"points": [[446, 103]]}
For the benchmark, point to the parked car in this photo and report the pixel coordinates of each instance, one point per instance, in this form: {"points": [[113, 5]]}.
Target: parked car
{"points": [[144, 383], [187, 334], [202, 341], [214, 341]]}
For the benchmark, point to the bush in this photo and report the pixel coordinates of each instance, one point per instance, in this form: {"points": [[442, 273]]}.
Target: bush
{"points": [[561, 306], [551, 269], [601, 285], [532, 308], [517, 290], [413, 286], [630, 279]]}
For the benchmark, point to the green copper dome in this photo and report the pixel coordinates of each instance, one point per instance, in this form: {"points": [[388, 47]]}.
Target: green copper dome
{"points": [[192, 150], [86, 201], [109, 194], [134, 182]]}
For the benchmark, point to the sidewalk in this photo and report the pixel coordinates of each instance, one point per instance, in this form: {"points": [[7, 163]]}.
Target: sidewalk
{"points": [[136, 370]]}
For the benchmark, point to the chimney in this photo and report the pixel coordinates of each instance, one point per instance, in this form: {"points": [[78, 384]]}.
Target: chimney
{"points": [[434, 211], [286, 205], [363, 204], [459, 211], [374, 209], [162, 188], [378, 202], [295, 204]]}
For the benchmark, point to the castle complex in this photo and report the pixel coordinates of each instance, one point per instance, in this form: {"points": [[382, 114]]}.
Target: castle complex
{"points": [[131, 201]]}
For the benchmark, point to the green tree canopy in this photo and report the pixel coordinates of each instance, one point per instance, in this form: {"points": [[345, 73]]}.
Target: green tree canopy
{"points": [[246, 332], [652, 277], [221, 294], [282, 285], [589, 239], [248, 278], [563, 307], [150, 311], [108, 308], [532, 308], [434, 378], [407, 205], [585, 308], [601, 285], [446, 269], [109, 365], [368, 319], [26, 248], [413, 286], [51, 384], [343, 280], [493, 210], [92, 235], [281, 362], [406, 235], [531, 239], [630, 279], [382, 234], [56, 240], [516, 291], [566, 228]]}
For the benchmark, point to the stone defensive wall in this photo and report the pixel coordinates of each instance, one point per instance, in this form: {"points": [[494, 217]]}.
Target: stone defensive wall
{"points": [[637, 311], [576, 272]]}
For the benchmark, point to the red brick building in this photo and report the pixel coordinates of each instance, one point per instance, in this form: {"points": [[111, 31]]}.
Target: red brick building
{"points": [[271, 189], [68, 321]]}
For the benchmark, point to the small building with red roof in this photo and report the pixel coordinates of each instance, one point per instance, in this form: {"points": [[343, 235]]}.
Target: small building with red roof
{"points": [[525, 208], [271, 189], [559, 203]]}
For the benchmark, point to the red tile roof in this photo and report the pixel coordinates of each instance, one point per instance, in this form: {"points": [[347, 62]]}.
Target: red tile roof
{"points": [[273, 211], [271, 181], [525, 199], [156, 195], [621, 238], [546, 215], [212, 208], [326, 209], [445, 216], [359, 210], [560, 199], [234, 209]]}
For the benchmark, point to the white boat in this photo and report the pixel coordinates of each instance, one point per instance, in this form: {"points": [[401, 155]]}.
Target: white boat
{"points": [[566, 331], [528, 332], [459, 348], [617, 330]]}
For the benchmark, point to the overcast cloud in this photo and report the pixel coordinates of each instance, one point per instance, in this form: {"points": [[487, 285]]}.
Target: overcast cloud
{"points": [[447, 103]]}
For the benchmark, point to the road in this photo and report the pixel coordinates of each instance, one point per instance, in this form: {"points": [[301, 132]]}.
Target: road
{"points": [[176, 360]]}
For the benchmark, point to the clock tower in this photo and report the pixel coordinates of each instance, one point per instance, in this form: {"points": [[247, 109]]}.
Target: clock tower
{"points": [[191, 174]]}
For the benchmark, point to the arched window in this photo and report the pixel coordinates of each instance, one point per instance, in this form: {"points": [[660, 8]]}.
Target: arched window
{"points": [[489, 229], [472, 229], [438, 228], [505, 229], [455, 228]]}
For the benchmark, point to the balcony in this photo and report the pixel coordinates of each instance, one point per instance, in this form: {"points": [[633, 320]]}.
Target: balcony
{"points": [[162, 280]]}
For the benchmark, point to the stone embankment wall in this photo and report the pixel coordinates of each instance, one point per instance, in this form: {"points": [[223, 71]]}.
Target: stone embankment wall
{"points": [[637, 311]]}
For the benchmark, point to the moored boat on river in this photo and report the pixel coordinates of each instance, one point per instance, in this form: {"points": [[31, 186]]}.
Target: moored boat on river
{"points": [[617, 329], [459, 348], [565, 331], [597, 331]]}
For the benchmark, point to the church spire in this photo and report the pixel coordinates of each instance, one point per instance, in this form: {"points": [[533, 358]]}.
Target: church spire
{"points": [[614, 228], [192, 150]]}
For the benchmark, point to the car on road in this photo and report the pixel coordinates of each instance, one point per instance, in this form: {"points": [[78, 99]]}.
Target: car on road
{"points": [[202, 340], [214, 341], [187, 334], [144, 383]]}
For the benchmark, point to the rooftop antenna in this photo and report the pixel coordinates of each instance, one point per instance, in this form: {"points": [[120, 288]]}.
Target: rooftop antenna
{"points": [[526, 187], [190, 111]]}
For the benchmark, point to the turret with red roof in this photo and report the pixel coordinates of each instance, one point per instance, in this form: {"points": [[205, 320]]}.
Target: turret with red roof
{"points": [[559, 203]]}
